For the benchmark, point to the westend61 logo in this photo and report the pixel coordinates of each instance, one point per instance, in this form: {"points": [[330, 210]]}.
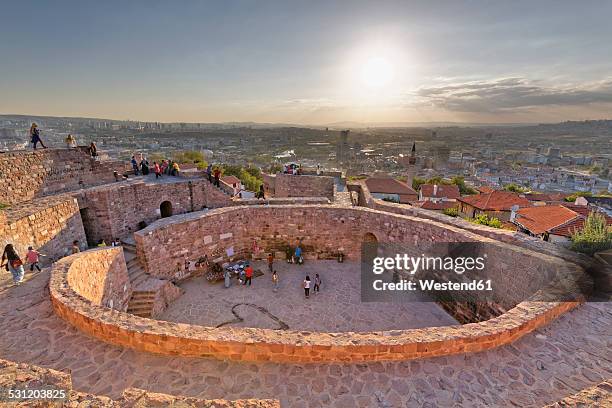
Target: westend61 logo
{"points": [[426, 272]]}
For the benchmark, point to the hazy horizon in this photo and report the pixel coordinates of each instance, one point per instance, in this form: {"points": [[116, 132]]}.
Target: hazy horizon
{"points": [[310, 64]]}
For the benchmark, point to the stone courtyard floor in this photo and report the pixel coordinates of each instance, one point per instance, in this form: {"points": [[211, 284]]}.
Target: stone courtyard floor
{"points": [[572, 353], [336, 308]]}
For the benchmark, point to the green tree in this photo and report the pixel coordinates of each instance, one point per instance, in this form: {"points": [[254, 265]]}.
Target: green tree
{"points": [[571, 198], [417, 182], [459, 181], [451, 212], [515, 188], [594, 236]]}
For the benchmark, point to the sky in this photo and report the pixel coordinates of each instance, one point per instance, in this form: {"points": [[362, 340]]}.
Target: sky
{"points": [[308, 62]]}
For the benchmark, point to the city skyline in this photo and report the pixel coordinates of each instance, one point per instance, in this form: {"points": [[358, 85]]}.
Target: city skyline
{"points": [[309, 64]]}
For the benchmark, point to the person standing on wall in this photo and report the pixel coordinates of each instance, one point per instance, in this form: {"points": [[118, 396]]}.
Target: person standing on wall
{"points": [[306, 286], [35, 136], [93, 150], [70, 141], [13, 264], [217, 174], [158, 171], [134, 165], [248, 273], [209, 172]]}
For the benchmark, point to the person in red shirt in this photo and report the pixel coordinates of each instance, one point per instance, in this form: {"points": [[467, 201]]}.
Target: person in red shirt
{"points": [[248, 273], [158, 171], [217, 174]]}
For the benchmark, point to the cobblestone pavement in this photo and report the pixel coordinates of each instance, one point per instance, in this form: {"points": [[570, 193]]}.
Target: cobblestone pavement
{"points": [[569, 355], [336, 308]]}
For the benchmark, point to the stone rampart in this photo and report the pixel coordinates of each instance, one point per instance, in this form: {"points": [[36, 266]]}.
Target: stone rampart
{"points": [[100, 276], [49, 224], [287, 185], [26, 175], [252, 344]]}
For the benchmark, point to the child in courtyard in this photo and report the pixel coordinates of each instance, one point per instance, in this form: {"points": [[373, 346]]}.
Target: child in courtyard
{"points": [[248, 274], [275, 281], [33, 259], [270, 261], [317, 284], [306, 285]]}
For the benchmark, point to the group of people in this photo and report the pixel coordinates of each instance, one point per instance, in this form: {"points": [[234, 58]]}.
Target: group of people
{"points": [[13, 263], [167, 167], [213, 175], [70, 141]]}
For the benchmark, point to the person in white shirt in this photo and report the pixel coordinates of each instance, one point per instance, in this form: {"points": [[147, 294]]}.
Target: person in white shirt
{"points": [[306, 285]]}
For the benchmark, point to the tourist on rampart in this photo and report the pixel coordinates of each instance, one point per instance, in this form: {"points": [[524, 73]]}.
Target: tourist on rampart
{"points": [[70, 141], [93, 150], [75, 247], [13, 263], [134, 165], [157, 169], [209, 173], [306, 286], [298, 255], [33, 258], [35, 136], [101, 243], [175, 169], [144, 166], [227, 278], [275, 281], [260, 193], [248, 274], [317, 284], [217, 175], [270, 261]]}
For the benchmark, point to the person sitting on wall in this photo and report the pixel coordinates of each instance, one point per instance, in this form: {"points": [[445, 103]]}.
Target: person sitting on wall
{"points": [[70, 141], [260, 193], [175, 169]]}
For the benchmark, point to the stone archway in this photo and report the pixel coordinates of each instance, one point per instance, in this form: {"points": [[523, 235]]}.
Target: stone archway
{"points": [[165, 209], [369, 246]]}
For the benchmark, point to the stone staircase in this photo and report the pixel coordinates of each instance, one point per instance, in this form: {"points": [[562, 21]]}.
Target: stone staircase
{"points": [[141, 303]]}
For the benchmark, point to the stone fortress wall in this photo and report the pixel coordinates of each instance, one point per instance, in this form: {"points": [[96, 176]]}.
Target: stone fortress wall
{"points": [[25, 175], [287, 185]]}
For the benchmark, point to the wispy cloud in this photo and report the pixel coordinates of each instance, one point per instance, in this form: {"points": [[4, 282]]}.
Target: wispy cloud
{"points": [[511, 94]]}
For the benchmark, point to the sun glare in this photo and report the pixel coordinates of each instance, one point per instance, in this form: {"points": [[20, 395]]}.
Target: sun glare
{"points": [[376, 72]]}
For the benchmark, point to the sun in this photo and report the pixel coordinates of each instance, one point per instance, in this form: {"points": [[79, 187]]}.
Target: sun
{"points": [[376, 72]]}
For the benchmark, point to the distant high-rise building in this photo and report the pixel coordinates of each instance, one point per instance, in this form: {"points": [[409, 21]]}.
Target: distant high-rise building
{"points": [[342, 147]]}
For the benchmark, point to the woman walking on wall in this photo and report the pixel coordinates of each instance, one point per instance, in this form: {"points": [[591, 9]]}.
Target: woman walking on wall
{"points": [[12, 262], [35, 136]]}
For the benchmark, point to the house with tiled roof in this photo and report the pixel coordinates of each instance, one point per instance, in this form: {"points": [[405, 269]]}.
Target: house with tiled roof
{"points": [[438, 206], [497, 203], [435, 192], [554, 223], [387, 188]]}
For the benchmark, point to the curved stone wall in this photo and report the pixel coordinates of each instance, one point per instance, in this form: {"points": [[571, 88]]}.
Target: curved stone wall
{"points": [[252, 344]]}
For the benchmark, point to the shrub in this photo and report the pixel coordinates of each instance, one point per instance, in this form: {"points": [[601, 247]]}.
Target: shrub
{"points": [[451, 212], [484, 219], [594, 236]]}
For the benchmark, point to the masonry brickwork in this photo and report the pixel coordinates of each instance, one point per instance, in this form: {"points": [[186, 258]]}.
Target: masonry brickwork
{"points": [[101, 277], [287, 185], [49, 224], [25, 175]]}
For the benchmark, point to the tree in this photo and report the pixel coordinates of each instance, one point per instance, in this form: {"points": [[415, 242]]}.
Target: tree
{"points": [[451, 212], [459, 181], [573, 197], [515, 188], [417, 182], [484, 219], [594, 236]]}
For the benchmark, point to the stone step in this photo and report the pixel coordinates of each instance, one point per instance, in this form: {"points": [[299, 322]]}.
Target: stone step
{"points": [[139, 279], [128, 248], [133, 263], [146, 303], [129, 256], [143, 295]]}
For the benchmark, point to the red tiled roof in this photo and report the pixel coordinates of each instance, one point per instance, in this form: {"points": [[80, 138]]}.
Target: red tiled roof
{"points": [[388, 186], [571, 227], [548, 197], [497, 200], [448, 191], [430, 205], [230, 180], [541, 219], [485, 189]]}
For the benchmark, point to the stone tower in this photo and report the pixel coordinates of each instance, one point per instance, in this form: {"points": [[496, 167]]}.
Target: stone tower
{"points": [[411, 165]]}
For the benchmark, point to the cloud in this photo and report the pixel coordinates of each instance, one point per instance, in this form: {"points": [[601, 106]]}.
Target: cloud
{"points": [[510, 94]]}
